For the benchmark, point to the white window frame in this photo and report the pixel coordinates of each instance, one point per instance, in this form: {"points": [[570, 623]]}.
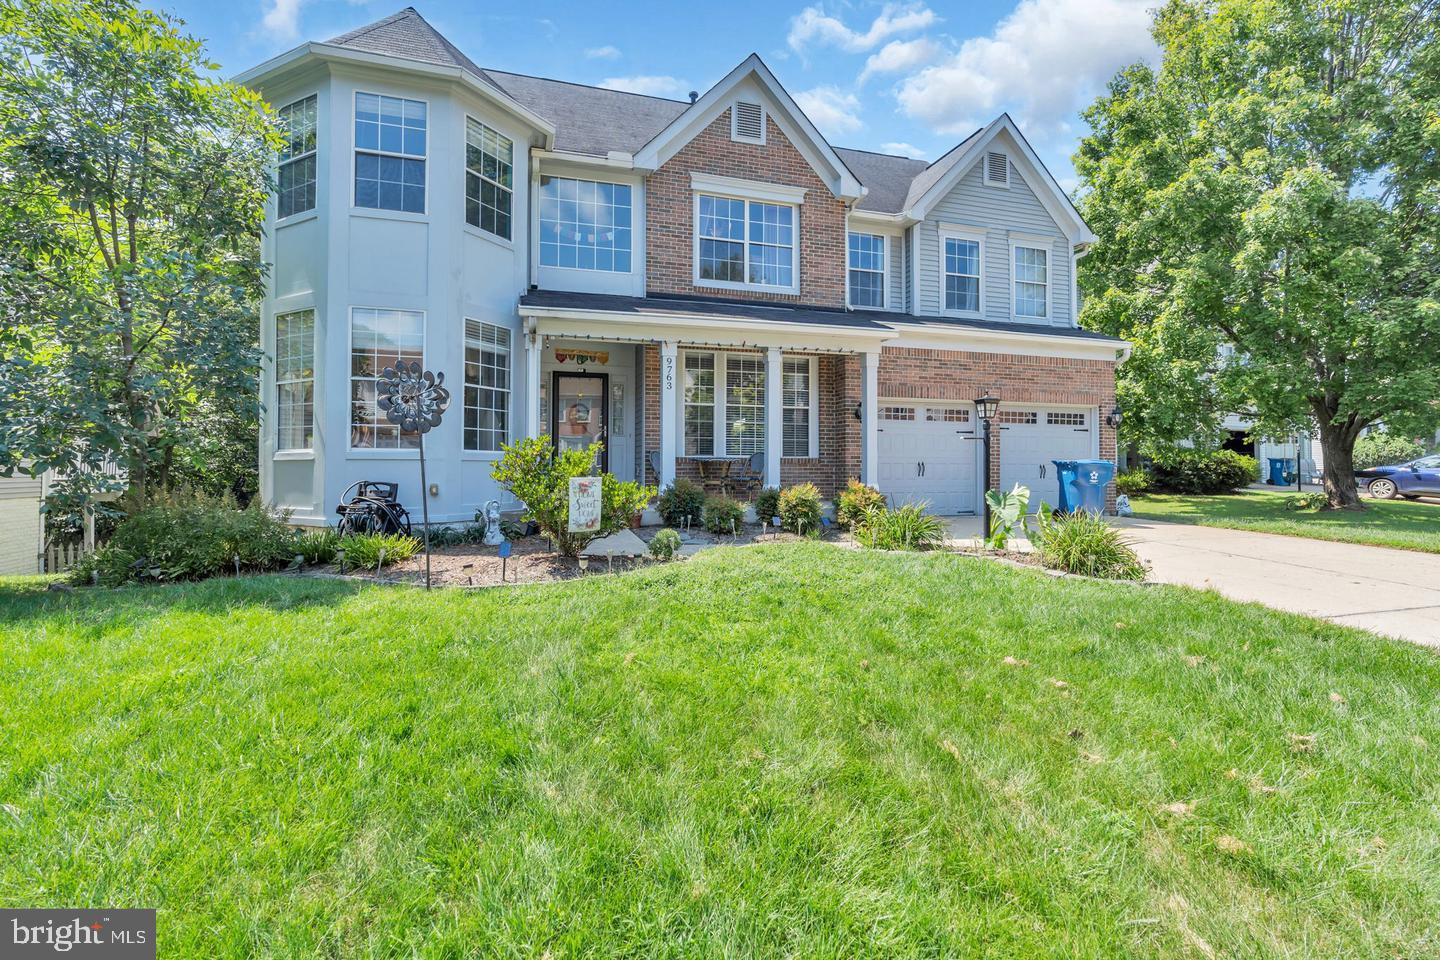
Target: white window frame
{"points": [[715, 403], [489, 234], [355, 150], [634, 209], [951, 232], [884, 268], [280, 381], [312, 152], [748, 191], [1044, 245], [721, 360], [380, 453], [764, 122], [509, 391], [813, 441]]}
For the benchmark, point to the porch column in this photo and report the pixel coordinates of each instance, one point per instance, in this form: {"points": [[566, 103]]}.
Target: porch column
{"points": [[774, 416], [869, 419], [534, 349], [669, 407]]}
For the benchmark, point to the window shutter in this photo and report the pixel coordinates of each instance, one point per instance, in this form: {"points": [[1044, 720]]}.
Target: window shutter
{"points": [[747, 122], [997, 169]]}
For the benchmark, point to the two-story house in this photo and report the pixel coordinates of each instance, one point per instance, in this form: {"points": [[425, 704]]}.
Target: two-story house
{"points": [[682, 280]]}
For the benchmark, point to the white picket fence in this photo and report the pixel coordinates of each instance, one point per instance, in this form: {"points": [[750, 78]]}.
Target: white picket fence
{"points": [[59, 557]]}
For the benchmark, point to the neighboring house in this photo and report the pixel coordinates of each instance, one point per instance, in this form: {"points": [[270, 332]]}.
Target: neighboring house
{"points": [[680, 279], [23, 544]]}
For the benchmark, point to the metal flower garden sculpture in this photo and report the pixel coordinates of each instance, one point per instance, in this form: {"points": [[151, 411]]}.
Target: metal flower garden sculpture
{"points": [[415, 400]]}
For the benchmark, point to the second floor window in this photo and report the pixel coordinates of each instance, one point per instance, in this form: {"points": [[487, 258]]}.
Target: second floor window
{"points": [[390, 153], [867, 270], [296, 175], [746, 242], [489, 179], [584, 224], [962, 275], [1032, 283]]}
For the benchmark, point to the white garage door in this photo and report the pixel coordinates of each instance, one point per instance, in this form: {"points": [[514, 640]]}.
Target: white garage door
{"points": [[928, 453], [1031, 438]]}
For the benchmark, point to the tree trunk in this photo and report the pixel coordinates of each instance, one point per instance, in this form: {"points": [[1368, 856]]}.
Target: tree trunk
{"points": [[1337, 442]]}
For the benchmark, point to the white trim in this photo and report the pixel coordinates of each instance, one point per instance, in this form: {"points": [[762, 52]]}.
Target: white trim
{"points": [[479, 453], [885, 239], [742, 189], [465, 167], [735, 134], [950, 231], [793, 289], [355, 151], [313, 211], [813, 388], [887, 219], [275, 380], [397, 453], [720, 358], [1020, 241]]}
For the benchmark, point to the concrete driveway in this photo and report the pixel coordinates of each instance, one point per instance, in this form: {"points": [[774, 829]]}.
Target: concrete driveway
{"points": [[1394, 592]]}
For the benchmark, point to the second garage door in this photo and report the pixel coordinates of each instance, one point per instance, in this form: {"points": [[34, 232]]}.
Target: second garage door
{"points": [[928, 453], [1031, 438]]}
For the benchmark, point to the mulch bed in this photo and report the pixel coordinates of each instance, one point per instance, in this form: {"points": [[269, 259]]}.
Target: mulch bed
{"points": [[471, 565], [747, 533]]}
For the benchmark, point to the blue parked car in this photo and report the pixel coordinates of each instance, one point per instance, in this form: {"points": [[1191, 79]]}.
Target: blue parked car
{"points": [[1418, 478]]}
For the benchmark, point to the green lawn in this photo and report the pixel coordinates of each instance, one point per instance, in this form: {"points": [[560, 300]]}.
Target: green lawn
{"points": [[1384, 523], [785, 750]]}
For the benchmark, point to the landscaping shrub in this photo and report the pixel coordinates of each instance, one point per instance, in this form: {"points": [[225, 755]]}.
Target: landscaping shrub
{"points": [[855, 502], [1313, 500], [1007, 510], [767, 504], [317, 546], [190, 537], [540, 478], [907, 528], [1378, 449], [1132, 483], [723, 515], [364, 550], [665, 545], [799, 508], [681, 504], [1204, 472], [1084, 543]]}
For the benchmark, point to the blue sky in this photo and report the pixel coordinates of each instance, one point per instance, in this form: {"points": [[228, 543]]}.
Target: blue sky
{"points": [[908, 77]]}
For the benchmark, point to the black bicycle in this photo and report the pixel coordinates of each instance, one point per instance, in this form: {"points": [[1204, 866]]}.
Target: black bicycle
{"points": [[375, 508]]}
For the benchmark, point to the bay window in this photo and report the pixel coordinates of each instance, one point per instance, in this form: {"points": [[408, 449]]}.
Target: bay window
{"points": [[380, 339], [296, 174], [295, 380], [489, 179], [745, 243], [487, 386], [390, 152]]}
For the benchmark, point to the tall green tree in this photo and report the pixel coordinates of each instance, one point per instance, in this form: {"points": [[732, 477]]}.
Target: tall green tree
{"points": [[132, 191], [1273, 186]]}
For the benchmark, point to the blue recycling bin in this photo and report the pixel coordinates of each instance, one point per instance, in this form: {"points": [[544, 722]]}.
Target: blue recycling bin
{"points": [[1279, 467], [1082, 484]]}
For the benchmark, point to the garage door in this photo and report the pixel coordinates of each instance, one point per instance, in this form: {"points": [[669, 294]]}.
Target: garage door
{"points": [[1031, 438], [928, 453]]}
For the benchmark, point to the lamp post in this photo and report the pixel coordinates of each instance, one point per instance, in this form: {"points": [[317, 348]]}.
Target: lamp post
{"points": [[985, 407]]}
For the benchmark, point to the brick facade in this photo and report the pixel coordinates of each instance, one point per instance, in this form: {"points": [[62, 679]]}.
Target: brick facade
{"points": [[670, 215], [917, 374]]}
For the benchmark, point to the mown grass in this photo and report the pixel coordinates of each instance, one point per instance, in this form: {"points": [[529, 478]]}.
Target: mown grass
{"points": [[1383, 523], [787, 750]]}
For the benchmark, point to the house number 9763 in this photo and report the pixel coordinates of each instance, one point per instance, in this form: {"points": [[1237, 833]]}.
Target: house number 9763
{"points": [[669, 373]]}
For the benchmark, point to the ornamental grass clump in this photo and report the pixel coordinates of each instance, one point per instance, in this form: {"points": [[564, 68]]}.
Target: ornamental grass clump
{"points": [[378, 549], [905, 528], [1083, 543]]}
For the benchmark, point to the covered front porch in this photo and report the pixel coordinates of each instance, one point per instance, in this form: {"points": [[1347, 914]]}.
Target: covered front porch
{"points": [[718, 388]]}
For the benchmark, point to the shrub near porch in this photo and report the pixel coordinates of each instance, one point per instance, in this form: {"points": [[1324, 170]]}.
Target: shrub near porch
{"points": [[792, 750]]}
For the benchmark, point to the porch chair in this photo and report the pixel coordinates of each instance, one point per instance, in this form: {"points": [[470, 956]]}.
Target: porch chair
{"points": [[653, 458], [749, 478]]}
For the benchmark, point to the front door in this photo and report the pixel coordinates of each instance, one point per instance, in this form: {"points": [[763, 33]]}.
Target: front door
{"points": [[579, 413]]}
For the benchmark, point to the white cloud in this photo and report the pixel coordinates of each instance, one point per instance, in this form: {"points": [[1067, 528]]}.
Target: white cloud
{"points": [[606, 52], [649, 85], [831, 109], [899, 56], [904, 150], [813, 25], [1043, 61], [282, 19]]}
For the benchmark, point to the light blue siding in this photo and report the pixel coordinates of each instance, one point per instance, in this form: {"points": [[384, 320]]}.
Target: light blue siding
{"points": [[999, 214]]}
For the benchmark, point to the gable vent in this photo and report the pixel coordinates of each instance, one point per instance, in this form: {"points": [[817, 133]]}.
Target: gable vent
{"points": [[747, 122], [997, 169]]}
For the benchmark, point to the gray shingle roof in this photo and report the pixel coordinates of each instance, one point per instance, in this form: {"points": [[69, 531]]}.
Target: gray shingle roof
{"points": [[596, 121], [591, 120]]}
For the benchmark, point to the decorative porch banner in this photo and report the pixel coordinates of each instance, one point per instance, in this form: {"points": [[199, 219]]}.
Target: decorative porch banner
{"points": [[582, 357], [584, 504]]}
